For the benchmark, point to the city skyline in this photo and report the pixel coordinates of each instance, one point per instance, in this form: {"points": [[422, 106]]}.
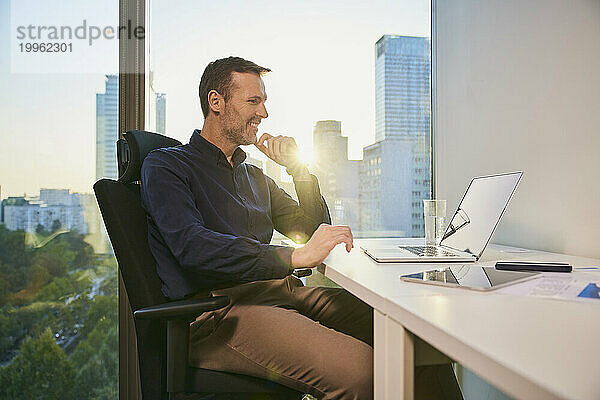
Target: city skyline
{"points": [[341, 47], [382, 193], [324, 73]]}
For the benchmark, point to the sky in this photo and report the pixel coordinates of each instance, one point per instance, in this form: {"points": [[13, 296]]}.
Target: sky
{"points": [[321, 55]]}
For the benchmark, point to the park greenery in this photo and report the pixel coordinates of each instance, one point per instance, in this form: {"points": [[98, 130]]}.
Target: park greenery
{"points": [[58, 319]]}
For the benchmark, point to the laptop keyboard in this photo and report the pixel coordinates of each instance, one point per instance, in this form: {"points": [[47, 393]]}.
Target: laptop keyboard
{"points": [[428, 251]]}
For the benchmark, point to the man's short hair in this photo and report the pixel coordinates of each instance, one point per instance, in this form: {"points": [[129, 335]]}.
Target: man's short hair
{"points": [[217, 76]]}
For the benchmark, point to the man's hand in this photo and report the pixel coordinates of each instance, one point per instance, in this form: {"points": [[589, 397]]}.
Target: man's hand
{"points": [[325, 238], [281, 149]]}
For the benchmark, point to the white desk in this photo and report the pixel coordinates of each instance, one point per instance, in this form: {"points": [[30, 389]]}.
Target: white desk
{"points": [[530, 348]]}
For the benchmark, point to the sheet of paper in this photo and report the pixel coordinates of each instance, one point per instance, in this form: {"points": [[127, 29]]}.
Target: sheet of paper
{"points": [[584, 287]]}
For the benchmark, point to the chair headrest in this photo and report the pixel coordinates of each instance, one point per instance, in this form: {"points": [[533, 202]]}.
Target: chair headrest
{"points": [[134, 147]]}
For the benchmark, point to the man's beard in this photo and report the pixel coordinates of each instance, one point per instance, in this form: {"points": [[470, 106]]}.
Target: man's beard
{"points": [[234, 130]]}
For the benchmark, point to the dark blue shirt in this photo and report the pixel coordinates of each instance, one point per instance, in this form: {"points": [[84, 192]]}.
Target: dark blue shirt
{"points": [[210, 224]]}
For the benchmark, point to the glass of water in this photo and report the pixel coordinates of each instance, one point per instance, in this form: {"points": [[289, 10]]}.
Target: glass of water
{"points": [[435, 218]]}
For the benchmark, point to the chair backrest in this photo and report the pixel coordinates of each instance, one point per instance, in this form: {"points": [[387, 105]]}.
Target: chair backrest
{"points": [[126, 222], [134, 147]]}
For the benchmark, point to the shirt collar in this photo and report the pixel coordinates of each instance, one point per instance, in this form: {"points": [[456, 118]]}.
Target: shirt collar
{"points": [[213, 152]]}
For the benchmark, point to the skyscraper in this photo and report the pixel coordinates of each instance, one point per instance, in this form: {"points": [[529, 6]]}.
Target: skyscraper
{"points": [[395, 172], [161, 111], [107, 132], [402, 86], [337, 175], [329, 145]]}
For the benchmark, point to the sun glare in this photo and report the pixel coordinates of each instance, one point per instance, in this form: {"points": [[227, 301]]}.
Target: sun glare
{"points": [[306, 155]]}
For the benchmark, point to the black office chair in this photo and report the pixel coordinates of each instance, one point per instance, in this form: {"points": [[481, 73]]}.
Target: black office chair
{"points": [[162, 327]]}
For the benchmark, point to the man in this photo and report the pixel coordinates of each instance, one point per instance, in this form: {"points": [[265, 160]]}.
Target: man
{"points": [[210, 220]]}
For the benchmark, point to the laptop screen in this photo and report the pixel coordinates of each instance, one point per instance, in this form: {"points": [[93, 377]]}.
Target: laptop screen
{"points": [[479, 211]]}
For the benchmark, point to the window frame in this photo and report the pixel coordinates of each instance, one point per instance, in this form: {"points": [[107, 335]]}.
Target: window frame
{"points": [[132, 57]]}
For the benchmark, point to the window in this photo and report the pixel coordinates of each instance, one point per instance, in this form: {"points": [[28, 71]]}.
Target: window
{"points": [[357, 83], [58, 277]]}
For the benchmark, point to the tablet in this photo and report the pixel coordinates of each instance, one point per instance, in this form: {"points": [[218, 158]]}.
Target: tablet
{"points": [[469, 276]]}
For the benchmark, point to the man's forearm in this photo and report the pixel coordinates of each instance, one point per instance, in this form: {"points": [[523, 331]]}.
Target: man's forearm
{"points": [[311, 201], [299, 221], [299, 172]]}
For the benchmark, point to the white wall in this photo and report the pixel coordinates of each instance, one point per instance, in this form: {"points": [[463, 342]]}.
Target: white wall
{"points": [[517, 87]]}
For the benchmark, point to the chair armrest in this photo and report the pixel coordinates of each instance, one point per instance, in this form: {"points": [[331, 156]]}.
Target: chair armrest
{"points": [[182, 309]]}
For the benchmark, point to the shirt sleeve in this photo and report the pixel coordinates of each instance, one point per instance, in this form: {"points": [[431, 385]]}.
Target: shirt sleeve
{"points": [[168, 200], [298, 221]]}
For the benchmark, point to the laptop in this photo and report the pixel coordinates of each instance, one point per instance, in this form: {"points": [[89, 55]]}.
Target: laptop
{"points": [[470, 228]]}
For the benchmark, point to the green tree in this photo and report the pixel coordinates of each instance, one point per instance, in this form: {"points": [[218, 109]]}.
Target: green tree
{"points": [[39, 229], [103, 307], [71, 249], [56, 225], [84, 252], [110, 283], [60, 288], [12, 247], [41, 370], [63, 288], [62, 255], [15, 259], [96, 362], [6, 341]]}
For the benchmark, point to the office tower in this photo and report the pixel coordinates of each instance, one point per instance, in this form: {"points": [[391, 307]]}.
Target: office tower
{"points": [[395, 172], [161, 110], [338, 176], [107, 131], [329, 145], [107, 134], [402, 86], [391, 188]]}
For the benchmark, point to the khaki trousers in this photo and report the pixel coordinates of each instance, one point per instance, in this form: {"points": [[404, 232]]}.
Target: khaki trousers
{"points": [[316, 340]]}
